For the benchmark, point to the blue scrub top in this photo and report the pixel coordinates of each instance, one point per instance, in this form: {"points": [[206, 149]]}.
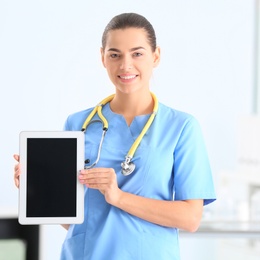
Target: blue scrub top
{"points": [[171, 164]]}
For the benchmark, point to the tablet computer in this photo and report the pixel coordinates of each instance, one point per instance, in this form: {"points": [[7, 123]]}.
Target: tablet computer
{"points": [[50, 192]]}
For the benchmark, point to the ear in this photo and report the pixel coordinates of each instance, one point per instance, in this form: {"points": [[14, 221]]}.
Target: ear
{"points": [[102, 56], [157, 56]]}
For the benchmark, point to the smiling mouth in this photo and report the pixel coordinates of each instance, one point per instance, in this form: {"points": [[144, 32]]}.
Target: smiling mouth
{"points": [[127, 77]]}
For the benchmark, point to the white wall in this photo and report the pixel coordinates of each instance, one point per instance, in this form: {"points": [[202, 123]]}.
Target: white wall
{"points": [[50, 67]]}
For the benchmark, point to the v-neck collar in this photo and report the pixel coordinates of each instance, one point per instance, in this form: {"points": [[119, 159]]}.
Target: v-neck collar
{"points": [[136, 125]]}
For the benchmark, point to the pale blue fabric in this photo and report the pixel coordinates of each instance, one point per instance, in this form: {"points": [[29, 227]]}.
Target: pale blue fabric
{"points": [[171, 163]]}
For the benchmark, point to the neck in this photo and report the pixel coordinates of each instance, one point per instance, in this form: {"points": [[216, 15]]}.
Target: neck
{"points": [[131, 105]]}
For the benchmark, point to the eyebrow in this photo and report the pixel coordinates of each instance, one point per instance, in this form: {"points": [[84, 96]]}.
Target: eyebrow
{"points": [[132, 49]]}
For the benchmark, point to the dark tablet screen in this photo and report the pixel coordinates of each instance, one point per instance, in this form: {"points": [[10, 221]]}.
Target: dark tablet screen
{"points": [[51, 177]]}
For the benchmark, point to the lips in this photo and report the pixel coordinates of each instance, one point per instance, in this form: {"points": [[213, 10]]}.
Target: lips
{"points": [[127, 77]]}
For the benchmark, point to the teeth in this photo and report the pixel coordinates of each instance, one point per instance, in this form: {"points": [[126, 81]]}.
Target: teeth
{"points": [[127, 77]]}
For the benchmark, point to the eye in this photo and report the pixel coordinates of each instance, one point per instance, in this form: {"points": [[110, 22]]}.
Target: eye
{"points": [[137, 54], [114, 55]]}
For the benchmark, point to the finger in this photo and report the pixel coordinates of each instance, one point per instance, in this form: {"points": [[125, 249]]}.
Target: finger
{"points": [[96, 170], [93, 180], [17, 171], [16, 157], [90, 174], [16, 182], [97, 186], [17, 177]]}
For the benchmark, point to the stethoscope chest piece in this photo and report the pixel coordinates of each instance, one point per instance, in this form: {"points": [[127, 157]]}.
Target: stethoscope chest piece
{"points": [[127, 167]]}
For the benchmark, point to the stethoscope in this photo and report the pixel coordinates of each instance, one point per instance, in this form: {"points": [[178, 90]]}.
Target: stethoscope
{"points": [[127, 166]]}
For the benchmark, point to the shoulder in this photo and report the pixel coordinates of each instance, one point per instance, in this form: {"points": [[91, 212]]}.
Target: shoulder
{"points": [[174, 116], [179, 125], [184, 126], [75, 120]]}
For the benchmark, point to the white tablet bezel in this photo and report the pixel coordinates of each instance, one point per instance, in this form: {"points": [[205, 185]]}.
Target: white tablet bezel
{"points": [[22, 218]]}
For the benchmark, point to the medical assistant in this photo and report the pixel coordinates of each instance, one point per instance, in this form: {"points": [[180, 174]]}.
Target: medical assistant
{"points": [[171, 164]]}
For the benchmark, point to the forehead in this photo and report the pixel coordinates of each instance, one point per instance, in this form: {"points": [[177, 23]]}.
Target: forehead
{"points": [[127, 38]]}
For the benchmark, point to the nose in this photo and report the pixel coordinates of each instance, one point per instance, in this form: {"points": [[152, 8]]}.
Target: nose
{"points": [[126, 64]]}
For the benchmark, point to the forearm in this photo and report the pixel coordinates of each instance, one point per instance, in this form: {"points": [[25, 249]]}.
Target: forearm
{"points": [[184, 215]]}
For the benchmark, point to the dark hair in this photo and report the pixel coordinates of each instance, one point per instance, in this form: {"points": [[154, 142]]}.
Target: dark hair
{"points": [[130, 20]]}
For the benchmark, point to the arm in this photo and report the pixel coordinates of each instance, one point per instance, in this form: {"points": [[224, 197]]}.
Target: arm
{"points": [[185, 215], [165, 213]]}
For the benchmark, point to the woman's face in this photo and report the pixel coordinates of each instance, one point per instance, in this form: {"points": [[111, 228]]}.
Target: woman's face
{"points": [[129, 59]]}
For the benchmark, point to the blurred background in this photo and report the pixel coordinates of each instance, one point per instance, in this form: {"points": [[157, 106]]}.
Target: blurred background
{"points": [[50, 67]]}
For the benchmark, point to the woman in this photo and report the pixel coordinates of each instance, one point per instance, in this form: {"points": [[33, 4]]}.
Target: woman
{"points": [[137, 216]]}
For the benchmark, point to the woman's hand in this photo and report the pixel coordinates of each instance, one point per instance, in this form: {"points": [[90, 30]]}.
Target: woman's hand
{"points": [[104, 180], [17, 171]]}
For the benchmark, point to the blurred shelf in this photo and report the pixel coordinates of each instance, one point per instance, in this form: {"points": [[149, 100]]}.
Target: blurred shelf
{"points": [[8, 212], [227, 228]]}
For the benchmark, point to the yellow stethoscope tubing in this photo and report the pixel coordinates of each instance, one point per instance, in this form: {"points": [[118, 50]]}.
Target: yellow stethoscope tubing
{"points": [[98, 110], [136, 143]]}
